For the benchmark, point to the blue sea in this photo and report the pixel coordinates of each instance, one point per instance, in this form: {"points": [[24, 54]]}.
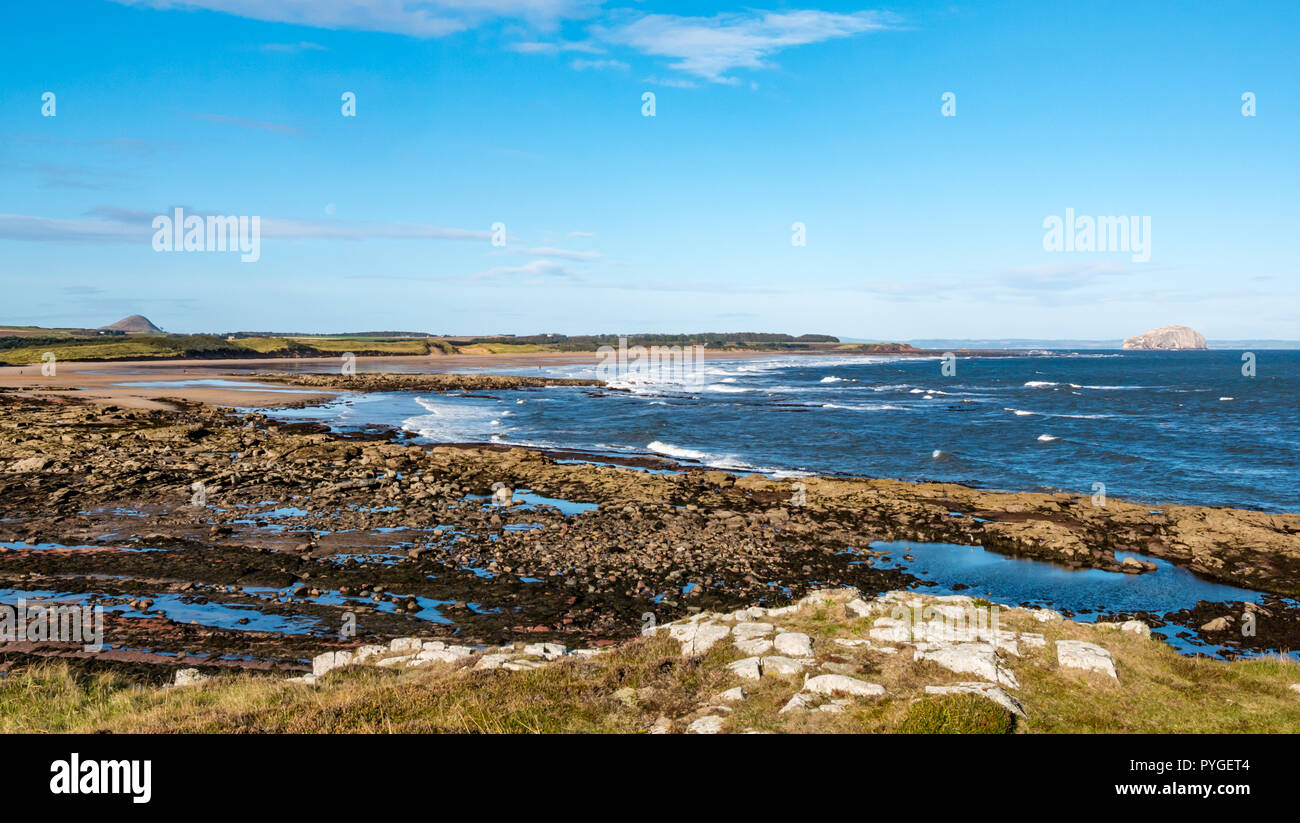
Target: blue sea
{"points": [[1182, 427]]}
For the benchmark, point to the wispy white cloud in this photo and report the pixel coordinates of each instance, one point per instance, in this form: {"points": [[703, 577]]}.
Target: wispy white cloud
{"points": [[710, 47], [129, 146], [427, 18], [106, 224], [581, 64], [547, 251], [292, 48], [707, 48], [672, 82], [49, 229], [533, 270], [87, 177], [538, 47]]}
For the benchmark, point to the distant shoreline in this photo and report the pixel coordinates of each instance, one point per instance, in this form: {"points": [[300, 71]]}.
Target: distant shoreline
{"points": [[99, 380]]}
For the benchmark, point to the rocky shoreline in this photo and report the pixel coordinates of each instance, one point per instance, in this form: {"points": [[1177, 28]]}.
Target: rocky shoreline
{"points": [[391, 382], [295, 527]]}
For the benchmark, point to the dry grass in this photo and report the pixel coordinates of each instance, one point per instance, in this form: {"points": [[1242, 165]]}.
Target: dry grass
{"points": [[629, 688]]}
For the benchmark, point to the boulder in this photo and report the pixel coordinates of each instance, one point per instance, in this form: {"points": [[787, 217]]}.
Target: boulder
{"points": [[321, 664], [190, 677], [745, 630], [988, 690], [775, 664], [858, 608], [365, 653], [697, 638], [831, 684], [732, 695], [546, 651], [979, 659], [754, 646], [750, 668], [1033, 640], [709, 724], [447, 655], [30, 464], [1131, 626], [1076, 654], [493, 661], [793, 644]]}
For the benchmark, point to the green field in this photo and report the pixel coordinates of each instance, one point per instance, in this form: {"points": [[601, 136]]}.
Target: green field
{"points": [[25, 345], [21, 350]]}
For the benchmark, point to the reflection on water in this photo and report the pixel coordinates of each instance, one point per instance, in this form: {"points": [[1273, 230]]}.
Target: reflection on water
{"points": [[1085, 593]]}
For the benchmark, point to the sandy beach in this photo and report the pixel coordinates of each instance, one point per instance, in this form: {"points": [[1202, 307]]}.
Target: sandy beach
{"points": [[101, 382]]}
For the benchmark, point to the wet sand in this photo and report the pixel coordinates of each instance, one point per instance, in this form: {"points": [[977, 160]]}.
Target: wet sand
{"points": [[101, 382]]}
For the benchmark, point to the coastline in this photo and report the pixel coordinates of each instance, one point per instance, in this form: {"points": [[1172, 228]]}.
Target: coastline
{"points": [[1232, 545], [97, 379], [288, 503]]}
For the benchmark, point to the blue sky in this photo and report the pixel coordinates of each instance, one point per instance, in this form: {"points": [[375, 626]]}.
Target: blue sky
{"points": [[529, 113]]}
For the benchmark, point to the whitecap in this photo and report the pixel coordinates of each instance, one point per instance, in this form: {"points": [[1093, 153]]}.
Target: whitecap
{"points": [[670, 450], [865, 407]]}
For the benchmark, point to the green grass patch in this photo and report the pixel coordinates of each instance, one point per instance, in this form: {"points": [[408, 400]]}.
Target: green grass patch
{"points": [[957, 714]]}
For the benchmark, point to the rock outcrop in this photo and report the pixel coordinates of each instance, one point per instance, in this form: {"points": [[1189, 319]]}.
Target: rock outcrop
{"points": [[1167, 338]]}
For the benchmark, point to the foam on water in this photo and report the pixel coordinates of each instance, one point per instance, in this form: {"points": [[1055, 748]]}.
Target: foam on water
{"points": [[1150, 424]]}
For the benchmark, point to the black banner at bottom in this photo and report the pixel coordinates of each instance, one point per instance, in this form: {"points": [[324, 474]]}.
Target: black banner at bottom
{"points": [[166, 772]]}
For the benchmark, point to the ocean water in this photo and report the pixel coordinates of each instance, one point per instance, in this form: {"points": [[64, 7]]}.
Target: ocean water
{"points": [[1184, 427]]}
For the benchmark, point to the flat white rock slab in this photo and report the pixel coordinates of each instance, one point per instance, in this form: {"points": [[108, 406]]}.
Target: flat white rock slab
{"points": [[1076, 654]]}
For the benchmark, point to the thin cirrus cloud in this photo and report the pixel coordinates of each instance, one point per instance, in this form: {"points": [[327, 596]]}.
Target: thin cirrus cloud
{"points": [[1045, 284], [533, 270], [292, 48], [703, 48], [548, 251], [582, 65], [429, 18], [710, 47], [109, 224], [540, 47]]}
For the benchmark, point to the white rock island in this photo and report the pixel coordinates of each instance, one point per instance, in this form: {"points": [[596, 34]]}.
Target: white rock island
{"points": [[1167, 337]]}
